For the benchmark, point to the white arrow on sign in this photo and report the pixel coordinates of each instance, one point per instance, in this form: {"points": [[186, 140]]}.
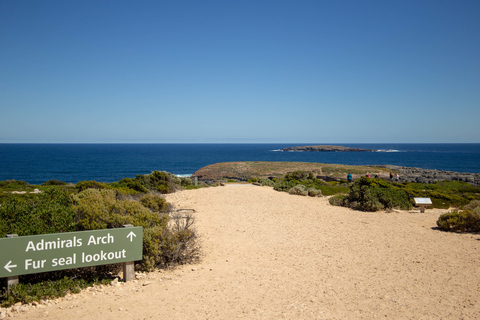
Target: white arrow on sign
{"points": [[131, 235], [8, 266]]}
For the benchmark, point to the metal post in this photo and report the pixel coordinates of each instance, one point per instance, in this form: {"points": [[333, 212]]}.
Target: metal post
{"points": [[129, 266], [11, 281]]}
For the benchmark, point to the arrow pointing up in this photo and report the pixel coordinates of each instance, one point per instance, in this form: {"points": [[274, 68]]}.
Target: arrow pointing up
{"points": [[8, 266], [131, 235]]}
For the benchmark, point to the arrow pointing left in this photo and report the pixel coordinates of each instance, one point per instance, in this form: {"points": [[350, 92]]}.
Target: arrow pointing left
{"points": [[9, 265]]}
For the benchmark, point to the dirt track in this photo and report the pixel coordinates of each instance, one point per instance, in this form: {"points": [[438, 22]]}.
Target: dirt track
{"points": [[271, 255]]}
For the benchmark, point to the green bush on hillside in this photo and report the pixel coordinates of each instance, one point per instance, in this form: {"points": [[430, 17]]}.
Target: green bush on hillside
{"points": [[371, 194], [460, 221], [53, 182], [308, 180], [46, 212], [14, 185], [84, 185], [443, 194], [266, 182], [298, 190], [156, 203], [338, 200]]}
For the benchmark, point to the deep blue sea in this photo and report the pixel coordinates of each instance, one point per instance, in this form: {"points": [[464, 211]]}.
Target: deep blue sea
{"points": [[37, 163]]}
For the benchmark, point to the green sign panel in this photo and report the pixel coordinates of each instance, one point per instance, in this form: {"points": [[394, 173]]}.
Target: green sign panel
{"points": [[58, 251]]}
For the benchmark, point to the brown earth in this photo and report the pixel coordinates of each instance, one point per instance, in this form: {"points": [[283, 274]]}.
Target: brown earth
{"points": [[257, 169], [271, 255]]}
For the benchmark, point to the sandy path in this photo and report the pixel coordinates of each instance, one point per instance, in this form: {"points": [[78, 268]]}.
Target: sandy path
{"points": [[271, 255]]}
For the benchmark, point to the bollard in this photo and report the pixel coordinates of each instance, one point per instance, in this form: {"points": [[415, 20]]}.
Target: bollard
{"points": [[129, 266]]}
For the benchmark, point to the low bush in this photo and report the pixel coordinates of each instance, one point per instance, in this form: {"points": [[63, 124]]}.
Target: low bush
{"points": [[266, 182], [371, 194], [155, 202], [130, 184], [443, 194], [285, 185], [338, 200], [472, 205], [14, 185], [298, 190], [100, 209], [53, 182], [84, 185], [312, 192], [43, 290], [179, 242], [460, 221], [46, 212]]}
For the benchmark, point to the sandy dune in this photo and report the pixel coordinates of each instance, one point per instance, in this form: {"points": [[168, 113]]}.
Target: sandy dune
{"points": [[271, 255]]}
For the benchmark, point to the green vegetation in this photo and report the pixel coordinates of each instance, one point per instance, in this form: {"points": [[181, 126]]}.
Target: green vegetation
{"points": [[169, 238], [311, 186], [467, 220], [370, 194], [46, 212], [54, 182]]}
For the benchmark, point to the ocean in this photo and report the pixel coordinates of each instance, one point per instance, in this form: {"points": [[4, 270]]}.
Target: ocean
{"points": [[37, 163]]}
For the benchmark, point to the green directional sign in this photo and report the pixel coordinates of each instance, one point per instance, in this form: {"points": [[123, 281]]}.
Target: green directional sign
{"points": [[58, 251]]}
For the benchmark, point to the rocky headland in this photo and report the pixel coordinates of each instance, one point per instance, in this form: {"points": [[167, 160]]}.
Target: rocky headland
{"points": [[244, 170], [327, 148]]}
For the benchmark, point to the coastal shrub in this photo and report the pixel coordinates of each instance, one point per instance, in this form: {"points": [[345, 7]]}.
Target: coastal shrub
{"points": [[285, 185], [443, 194], [185, 182], [14, 185], [298, 190], [168, 239], [472, 205], [53, 182], [178, 244], [161, 181], [338, 200], [299, 175], [84, 185], [312, 192], [155, 202], [371, 194], [27, 292], [100, 209], [266, 182], [133, 185], [46, 212], [460, 221]]}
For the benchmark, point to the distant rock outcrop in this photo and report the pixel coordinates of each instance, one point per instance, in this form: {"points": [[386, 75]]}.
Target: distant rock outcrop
{"points": [[411, 174], [327, 148]]}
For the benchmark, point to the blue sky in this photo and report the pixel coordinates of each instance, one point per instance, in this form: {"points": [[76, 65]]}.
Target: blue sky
{"points": [[240, 71]]}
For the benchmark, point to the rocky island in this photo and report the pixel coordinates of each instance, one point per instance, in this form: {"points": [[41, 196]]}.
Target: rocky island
{"points": [[327, 148]]}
